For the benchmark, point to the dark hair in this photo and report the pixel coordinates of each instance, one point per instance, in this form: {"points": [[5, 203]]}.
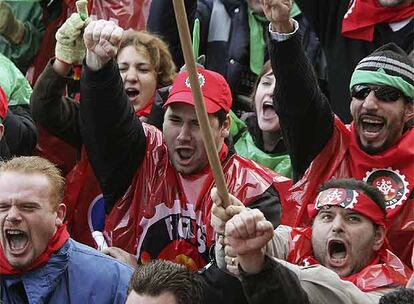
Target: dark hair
{"points": [[161, 276], [267, 66], [354, 184], [221, 116], [400, 296]]}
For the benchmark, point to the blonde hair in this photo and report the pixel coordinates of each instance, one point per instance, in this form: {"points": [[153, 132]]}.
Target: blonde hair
{"points": [[158, 53], [38, 165]]}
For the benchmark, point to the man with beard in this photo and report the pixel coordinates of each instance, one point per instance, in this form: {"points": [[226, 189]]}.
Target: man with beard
{"points": [[378, 147], [349, 30], [342, 258], [39, 263]]}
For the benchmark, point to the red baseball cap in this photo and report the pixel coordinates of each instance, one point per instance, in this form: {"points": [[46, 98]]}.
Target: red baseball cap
{"points": [[3, 104], [214, 87]]}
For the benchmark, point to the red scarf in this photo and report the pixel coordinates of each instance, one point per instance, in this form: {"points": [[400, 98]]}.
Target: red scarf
{"points": [[147, 110], [384, 269], [55, 243], [362, 16], [397, 166]]}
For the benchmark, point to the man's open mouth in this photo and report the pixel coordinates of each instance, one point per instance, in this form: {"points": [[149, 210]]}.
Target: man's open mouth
{"points": [[16, 239], [185, 154], [371, 124], [337, 252]]}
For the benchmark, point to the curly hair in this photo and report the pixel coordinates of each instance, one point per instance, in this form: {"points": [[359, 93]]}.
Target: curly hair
{"points": [[157, 51]]}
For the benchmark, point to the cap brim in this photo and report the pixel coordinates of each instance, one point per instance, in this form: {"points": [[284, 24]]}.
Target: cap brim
{"points": [[186, 97]]}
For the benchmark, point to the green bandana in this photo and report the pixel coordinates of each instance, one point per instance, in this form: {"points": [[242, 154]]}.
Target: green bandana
{"points": [[295, 11], [257, 43], [245, 146], [380, 77]]}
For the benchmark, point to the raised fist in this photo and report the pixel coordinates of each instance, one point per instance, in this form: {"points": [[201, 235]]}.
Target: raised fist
{"points": [[69, 43], [278, 14], [102, 39]]}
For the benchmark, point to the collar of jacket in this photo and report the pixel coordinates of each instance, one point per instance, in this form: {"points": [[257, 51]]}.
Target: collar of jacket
{"points": [[41, 283]]}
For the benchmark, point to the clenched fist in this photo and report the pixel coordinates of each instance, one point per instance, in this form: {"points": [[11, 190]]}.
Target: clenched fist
{"points": [[278, 14], [102, 39], [248, 233]]}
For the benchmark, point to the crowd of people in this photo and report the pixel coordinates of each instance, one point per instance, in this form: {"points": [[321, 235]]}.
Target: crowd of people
{"points": [[106, 190]]}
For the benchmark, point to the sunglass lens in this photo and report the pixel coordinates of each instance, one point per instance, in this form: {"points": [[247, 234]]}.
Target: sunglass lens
{"points": [[360, 91], [387, 93]]}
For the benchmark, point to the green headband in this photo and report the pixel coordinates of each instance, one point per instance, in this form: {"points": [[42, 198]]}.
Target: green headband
{"points": [[380, 77]]}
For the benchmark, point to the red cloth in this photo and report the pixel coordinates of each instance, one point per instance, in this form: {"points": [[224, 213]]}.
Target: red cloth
{"points": [[348, 199], [391, 171], [82, 193], [57, 151], [145, 112], [126, 13], [55, 243], [362, 16], [3, 104], [47, 47], [385, 269]]}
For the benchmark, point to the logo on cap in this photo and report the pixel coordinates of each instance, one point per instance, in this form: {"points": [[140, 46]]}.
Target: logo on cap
{"points": [[201, 80]]}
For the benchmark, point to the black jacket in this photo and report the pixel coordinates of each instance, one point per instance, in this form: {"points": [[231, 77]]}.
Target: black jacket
{"points": [[20, 133], [306, 119]]}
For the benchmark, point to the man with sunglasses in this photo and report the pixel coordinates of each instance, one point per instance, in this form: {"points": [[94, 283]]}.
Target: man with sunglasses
{"points": [[377, 147]]}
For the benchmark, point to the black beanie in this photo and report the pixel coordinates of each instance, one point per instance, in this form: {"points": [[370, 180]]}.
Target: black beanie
{"points": [[387, 65]]}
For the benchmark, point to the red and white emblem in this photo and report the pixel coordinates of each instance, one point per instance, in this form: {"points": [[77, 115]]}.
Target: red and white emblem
{"points": [[201, 80], [391, 183]]}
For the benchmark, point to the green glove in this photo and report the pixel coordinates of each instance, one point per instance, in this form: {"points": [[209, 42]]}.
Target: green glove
{"points": [[69, 40], [11, 28]]}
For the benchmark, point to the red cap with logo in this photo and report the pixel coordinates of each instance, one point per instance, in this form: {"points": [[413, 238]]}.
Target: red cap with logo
{"points": [[214, 87], [3, 104]]}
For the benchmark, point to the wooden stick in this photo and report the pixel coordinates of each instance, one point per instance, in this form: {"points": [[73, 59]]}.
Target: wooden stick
{"points": [[82, 8], [186, 46]]}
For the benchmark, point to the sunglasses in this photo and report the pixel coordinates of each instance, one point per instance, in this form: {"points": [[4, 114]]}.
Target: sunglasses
{"points": [[384, 93]]}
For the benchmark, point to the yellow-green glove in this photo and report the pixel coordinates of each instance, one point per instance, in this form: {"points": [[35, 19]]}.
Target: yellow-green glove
{"points": [[11, 28], [69, 41]]}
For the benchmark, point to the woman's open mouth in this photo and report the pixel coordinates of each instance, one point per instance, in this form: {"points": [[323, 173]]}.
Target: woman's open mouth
{"points": [[132, 93], [268, 110]]}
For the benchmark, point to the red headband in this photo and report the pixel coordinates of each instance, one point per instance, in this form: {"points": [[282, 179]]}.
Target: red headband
{"points": [[348, 199]]}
